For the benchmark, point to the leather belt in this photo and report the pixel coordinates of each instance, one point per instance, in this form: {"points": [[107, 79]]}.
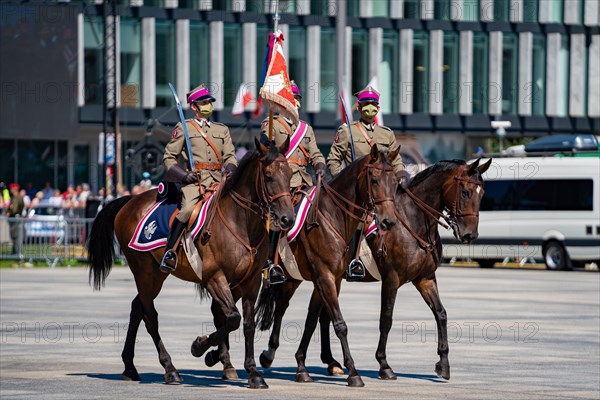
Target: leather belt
{"points": [[213, 166], [299, 161]]}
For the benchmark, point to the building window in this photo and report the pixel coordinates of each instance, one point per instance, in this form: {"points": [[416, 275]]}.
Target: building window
{"points": [[441, 9], [556, 11], [131, 62], [353, 8], [510, 58], [7, 155], [297, 58], [93, 38], [471, 10], [81, 163], [451, 73], [412, 9], [231, 5], [328, 86], [285, 6], [165, 62], [530, 10], [188, 4], [199, 53], [538, 75], [233, 60], [37, 162], [381, 8], [390, 72], [563, 77], [502, 10], [319, 7], [360, 59], [480, 72], [421, 71]]}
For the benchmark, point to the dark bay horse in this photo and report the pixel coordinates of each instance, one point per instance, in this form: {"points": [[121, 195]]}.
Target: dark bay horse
{"points": [[412, 250], [364, 187], [232, 257]]}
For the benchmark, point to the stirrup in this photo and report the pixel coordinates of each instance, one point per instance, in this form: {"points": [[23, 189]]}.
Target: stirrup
{"points": [[169, 261], [356, 270], [273, 273]]}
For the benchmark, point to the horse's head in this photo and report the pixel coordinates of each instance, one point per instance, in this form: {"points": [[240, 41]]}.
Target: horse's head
{"points": [[462, 193], [274, 183], [379, 183]]}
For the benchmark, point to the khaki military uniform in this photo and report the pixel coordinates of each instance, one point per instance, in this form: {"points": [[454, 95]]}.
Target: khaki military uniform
{"points": [[364, 135], [298, 160], [209, 159]]}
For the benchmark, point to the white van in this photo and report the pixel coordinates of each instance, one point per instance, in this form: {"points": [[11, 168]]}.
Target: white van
{"points": [[537, 207]]}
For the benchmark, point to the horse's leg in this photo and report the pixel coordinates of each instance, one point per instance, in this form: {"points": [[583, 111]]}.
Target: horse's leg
{"points": [[429, 290], [289, 288], [333, 366], [327, 289], [222, 352], [314, 309], [135, 317], [389, 290], [221, 294], [255, 379]]}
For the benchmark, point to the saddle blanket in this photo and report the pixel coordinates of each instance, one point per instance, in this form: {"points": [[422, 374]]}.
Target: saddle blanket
{"points": [[152, 230], [301, 211]]}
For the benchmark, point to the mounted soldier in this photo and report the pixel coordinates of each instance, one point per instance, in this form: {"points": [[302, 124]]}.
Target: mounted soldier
{"points": [[365, 133], [212, 149], [306, 151]]}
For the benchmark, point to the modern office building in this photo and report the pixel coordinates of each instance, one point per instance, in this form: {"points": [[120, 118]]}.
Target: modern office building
{"points": [[445, 69]]}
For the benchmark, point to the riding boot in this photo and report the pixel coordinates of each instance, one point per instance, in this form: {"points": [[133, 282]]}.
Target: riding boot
{"points": [[272, 272], [356, 268], [169, 261]]}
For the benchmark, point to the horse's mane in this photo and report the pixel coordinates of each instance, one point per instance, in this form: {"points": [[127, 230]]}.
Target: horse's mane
{"points": [[440, 166], [349, 170], [250, 156]]}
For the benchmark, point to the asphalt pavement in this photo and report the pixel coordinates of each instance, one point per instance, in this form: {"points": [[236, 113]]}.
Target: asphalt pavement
{"points": [[513, 334]]}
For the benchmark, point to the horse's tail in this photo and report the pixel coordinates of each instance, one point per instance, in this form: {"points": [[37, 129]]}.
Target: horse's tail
{"points": [[265, 308], [101, 249]]}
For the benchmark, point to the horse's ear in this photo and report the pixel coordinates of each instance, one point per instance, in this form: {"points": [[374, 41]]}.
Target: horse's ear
{"points": [[374, 153], [473, 167], [262, 149], [394, 153], [484, 167], [285, 146]]}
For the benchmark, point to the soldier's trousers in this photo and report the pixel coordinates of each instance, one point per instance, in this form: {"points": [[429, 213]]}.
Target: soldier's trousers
{"points": [[190, 197]]}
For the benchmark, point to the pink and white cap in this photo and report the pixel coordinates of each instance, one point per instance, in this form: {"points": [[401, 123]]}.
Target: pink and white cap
{"points": [[199, 94], [367, 94]]}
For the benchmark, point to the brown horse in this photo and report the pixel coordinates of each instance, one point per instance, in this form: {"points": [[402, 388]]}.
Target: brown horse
{"points": [[232, 257], [322, 253], [411, 252]]}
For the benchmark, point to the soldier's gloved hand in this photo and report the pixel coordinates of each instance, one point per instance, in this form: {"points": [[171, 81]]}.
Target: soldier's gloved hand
{"points": [[320, 170], [230, 169], [189, 178]]}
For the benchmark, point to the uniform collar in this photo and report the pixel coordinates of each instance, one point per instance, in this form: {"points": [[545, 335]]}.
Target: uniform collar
{"points": [[203, 122], [369, 127], [289, 121]]}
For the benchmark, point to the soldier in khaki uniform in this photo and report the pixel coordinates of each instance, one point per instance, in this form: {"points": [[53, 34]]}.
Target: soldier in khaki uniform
{"points": [[212, 149], [306, 152], [365, 134]]}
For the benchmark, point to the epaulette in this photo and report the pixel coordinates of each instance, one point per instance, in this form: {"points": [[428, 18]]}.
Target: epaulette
{"points": [[385, 127], [218, 123]]}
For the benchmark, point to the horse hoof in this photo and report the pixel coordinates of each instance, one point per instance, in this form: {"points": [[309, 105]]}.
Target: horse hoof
{"points": [[211, 359], [265, 362], [230, 374], [257, 382], [303, 377], [387, 374], [130, 375], [197, 346], [443, 371], [355, 381], [335, 369], [173, 378]]}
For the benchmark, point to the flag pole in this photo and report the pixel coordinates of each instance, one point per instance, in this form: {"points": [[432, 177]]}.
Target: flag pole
{"points": [[275, 27]]}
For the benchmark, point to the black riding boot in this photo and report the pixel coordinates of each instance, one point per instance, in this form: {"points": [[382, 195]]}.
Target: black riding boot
{"points": [[169, 261], [356, 268], [273, 272]]}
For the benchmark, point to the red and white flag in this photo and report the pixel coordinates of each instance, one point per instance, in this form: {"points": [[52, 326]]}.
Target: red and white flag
{"points": [[276, 90], [345, 109], [258, 110], [242, 99]]}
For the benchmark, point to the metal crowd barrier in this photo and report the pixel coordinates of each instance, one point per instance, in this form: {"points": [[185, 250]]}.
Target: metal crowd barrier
{"points": [[60, 240]]}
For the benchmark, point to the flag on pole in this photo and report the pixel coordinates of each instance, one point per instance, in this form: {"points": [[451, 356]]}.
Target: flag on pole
{"points": [[375, 85], [258, 110], [276, 89], [345, 109], [242, 99]]}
